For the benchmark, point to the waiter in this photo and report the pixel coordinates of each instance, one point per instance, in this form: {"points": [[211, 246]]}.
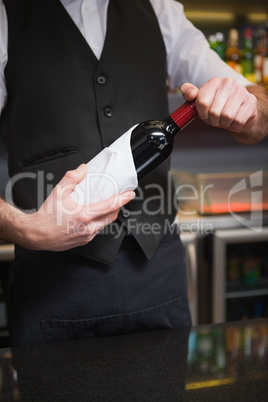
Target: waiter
{"points": [[74, 75]]}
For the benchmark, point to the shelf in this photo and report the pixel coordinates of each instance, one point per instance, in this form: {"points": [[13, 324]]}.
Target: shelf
{"points": [[225, 14], [239, 7], [239, 290], [246, 293]]}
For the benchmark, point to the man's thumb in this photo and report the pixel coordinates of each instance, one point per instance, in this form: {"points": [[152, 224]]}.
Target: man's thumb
{"points": [[189, 91]]}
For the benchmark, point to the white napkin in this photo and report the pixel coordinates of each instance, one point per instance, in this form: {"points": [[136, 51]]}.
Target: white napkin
{"points": [[111, 172]]}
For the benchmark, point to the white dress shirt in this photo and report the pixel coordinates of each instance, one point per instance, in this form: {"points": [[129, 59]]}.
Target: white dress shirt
{"points": [[189, 58]]}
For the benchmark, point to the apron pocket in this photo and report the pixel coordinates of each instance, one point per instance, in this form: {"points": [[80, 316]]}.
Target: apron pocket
{"points": [[172, 314]]}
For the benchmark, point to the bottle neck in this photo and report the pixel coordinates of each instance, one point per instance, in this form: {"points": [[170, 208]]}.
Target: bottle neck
{"points": [[170, 126], [181, 117]]}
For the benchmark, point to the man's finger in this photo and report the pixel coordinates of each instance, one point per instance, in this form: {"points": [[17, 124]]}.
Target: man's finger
{"points": [[72, 178], [111, 204]]}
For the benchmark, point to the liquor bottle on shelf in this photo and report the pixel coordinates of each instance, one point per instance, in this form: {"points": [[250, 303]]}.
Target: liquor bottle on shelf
{"points": [[251, 270], [258, 309], [247, 59], [233, 53], [217, 44], [220, 47], [212, 41], [261, 58], [233, 269]]}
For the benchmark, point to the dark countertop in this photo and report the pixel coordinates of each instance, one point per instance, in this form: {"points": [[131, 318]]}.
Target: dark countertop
{"points": [[223, 362]]}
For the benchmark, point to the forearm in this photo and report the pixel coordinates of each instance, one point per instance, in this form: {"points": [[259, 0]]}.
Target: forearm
{"points": [[12, 224], [257, 129]]}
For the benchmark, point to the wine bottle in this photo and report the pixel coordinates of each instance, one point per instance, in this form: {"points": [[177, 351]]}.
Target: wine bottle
{"points": [[152, 141], [131, 157], [233, 53], [216, 43], [261, 58], [247, 60]]}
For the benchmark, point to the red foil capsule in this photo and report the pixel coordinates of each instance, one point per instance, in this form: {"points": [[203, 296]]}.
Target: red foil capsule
{"points": [[184, 114]]}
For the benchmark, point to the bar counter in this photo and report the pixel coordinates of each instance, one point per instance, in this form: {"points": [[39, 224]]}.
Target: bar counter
{"points": [[221, 362]]}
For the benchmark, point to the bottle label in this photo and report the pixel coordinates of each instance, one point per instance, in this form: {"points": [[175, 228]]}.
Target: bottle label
{"points": [[258, 61]]}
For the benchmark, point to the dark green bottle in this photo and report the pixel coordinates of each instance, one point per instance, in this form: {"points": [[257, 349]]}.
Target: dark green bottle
{"points": [[247, 60]]}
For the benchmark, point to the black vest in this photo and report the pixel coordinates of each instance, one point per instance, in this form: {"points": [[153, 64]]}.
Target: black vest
{"points": [[64, 106]]}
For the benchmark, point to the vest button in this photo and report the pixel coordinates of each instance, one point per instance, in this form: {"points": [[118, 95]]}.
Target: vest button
{"points": [[101, 80], [108, 112], [125, 213]]}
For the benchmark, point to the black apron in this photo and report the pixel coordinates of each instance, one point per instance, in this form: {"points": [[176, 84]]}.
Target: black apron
{"points": [[60, 296]]}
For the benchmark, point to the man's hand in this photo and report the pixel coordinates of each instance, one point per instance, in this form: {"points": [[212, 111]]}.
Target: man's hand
{"points": [[61, 224], [226, 104]]}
